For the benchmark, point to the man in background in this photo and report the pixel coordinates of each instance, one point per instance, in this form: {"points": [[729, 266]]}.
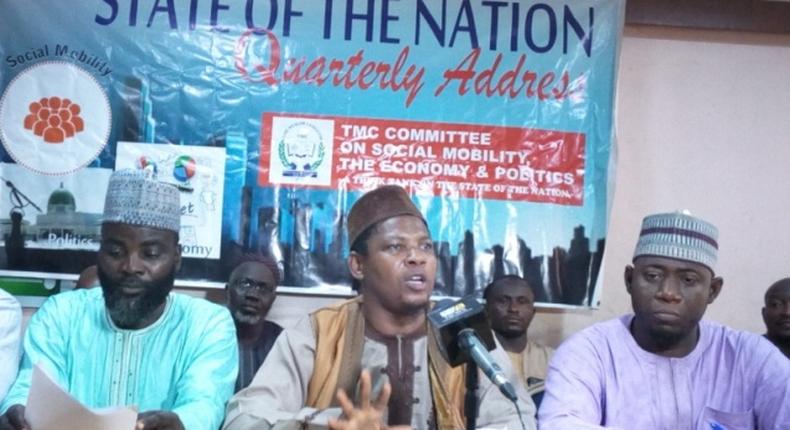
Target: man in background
{"points": [[776, 315], [251, 291], [663, 367], [10, 330], [133, 341], [510, 306]]}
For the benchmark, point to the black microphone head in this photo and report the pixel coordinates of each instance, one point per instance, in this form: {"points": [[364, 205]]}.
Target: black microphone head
{"points": [[449, 317], [443, 304]]}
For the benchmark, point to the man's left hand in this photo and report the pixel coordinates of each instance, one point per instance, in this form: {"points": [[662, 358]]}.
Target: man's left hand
{"points": [[159, 420]]}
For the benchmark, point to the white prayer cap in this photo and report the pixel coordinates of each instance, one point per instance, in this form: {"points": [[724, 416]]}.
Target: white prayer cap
{"points": [[135, 197]]}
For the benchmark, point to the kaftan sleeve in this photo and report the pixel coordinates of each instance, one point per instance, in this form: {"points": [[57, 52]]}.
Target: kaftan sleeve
{"points": [[10, 326], [772, 391], [207, 383], [275, 398], [44, 344], [574, 386]]}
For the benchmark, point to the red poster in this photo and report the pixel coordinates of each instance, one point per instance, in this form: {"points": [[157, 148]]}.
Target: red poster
{"points": [[427, 158]]}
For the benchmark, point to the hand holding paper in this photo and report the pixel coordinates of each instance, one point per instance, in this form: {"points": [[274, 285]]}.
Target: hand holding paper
{"points": [[14, 419], [49, 407], [159, 420]]}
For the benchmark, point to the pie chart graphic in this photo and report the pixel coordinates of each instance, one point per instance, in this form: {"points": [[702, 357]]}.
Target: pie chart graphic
{"points": [[184, 168]]}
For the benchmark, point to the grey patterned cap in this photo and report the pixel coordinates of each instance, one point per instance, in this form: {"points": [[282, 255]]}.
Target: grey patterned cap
{"points": [[680, 236], [135, 197]]}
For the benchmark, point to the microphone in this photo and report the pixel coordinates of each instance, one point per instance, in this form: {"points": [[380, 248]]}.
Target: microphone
{"points": [[470, 342], [465, 336]]}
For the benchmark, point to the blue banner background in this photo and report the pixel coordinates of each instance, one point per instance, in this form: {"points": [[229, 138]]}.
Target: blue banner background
{"points": [[177, 60]]}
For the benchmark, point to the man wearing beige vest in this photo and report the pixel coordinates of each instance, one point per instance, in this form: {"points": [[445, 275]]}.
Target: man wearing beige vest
{"points": [[379, 339], [510, 306]]}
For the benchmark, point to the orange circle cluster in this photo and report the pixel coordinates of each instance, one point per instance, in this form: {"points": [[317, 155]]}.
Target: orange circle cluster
{"points": [[54, 119]]}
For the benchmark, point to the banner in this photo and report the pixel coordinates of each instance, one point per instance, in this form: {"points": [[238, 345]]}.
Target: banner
{"points": [[273, 116], [474, 161]]}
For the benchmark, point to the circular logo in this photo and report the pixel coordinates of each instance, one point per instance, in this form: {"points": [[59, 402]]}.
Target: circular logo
{"points": [[184, 168], [54, 118], [301, 148]]}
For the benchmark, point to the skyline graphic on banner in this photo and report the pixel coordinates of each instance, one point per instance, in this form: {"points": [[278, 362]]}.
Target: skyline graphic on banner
{"points": [[499, 121]]}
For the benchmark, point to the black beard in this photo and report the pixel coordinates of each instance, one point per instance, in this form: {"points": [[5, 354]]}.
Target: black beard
{"points": [[778, 338], [511, 334], [128, 312], [664, 340]]}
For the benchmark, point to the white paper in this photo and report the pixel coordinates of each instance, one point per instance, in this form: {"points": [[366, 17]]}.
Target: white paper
{"points": [[51, 408]]}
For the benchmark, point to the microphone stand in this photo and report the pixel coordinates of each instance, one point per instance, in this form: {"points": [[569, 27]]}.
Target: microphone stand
{"points": [[470, 400], [19, 196]]}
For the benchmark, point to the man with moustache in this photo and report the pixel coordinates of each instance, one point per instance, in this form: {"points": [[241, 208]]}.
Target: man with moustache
{"points": [[379, 339], [510, 306], [132, 341], [776, 315], [251, 290], [662, 367]]}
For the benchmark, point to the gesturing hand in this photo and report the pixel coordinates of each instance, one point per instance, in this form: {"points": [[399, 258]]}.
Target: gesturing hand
{"points": [[367, 416]]}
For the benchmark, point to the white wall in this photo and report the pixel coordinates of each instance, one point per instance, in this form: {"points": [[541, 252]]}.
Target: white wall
{"points": [[703, 123]]}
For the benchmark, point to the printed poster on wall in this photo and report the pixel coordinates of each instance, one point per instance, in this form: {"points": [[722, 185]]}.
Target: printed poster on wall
{"points": [[198, 172], [497, 117], [61, 212]]}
